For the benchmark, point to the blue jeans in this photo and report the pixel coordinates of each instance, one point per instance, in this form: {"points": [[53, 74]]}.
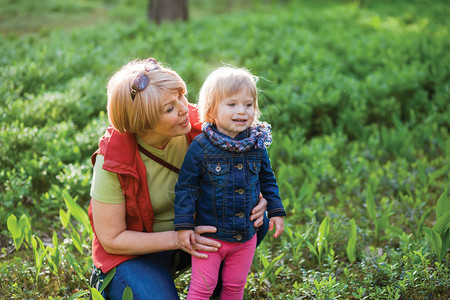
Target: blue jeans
{"points": [[151, 276]]}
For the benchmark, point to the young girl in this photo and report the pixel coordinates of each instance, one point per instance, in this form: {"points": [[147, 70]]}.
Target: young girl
{"points": [[223, 173]]}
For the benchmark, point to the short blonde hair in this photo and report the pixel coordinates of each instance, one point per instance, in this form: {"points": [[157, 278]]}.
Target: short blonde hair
{"points": [[222, 83], [142, 113]]}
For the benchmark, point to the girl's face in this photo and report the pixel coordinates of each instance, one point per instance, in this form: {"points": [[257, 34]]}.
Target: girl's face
{"points": [[174, 119], [235, 113]]}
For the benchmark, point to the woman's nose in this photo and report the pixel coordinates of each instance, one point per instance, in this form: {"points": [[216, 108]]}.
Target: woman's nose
{"points": [[183, 108]]}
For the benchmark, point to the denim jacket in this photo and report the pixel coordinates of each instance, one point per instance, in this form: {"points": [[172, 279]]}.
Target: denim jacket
{"points": [[220, 188]]}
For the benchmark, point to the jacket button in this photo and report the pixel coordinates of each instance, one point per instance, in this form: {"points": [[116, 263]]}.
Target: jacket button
{"points": [[240, 191], [238, 237], [218, 168], [240, 215], [239, 166]]}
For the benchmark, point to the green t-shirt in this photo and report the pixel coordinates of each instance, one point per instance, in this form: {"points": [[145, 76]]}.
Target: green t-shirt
{"points": [[161, 181]]}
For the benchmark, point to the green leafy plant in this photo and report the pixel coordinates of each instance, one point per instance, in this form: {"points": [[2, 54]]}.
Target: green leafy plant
{"points": [[321, 241], [19, 230], [39, 253], [439, 235], [380, 218], [53, 255], [351, 245], [269, 267]]}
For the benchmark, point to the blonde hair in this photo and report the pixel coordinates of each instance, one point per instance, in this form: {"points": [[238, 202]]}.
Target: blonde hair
{"points": [[142, 113], [222, 83]]}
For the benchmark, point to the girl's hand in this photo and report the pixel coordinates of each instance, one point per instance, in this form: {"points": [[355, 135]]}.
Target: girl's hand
{"points": [[258, 212], [279, 224]]}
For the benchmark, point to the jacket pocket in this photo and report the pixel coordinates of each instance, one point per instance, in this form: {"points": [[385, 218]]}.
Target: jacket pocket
{"points": [[218, 173], [253, 168]]}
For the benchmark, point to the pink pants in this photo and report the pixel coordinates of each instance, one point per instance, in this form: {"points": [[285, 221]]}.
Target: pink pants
{"points": [[237, 259]]}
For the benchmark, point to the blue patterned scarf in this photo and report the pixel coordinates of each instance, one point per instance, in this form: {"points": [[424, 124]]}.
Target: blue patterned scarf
{"points": [[260, 137]]}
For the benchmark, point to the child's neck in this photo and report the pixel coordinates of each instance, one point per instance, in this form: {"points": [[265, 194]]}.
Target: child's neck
{"points": [[232, 135]]}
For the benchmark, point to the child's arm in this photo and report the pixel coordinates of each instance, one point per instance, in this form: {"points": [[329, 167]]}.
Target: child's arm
{"points": [[279, 224], [269, 188]]}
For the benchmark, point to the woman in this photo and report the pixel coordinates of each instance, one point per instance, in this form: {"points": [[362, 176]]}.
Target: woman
{"points": [[133, 185]]}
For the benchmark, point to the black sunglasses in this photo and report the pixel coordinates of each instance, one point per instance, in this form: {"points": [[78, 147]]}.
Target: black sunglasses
{"points": [[141, 81]]}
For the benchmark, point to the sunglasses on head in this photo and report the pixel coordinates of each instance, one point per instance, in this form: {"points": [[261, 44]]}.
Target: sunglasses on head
{"points": [[141, 81]]}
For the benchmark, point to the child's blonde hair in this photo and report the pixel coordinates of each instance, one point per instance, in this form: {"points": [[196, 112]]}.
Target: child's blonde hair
{"points": [[142, 113], [222, 83]]}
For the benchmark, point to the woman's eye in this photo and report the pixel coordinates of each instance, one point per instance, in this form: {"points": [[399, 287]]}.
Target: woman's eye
{"points": [[250, 105], [169, 109], [231, 104]]}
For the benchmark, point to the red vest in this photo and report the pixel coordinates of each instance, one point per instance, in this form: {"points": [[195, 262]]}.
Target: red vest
{"points": [[122, 157]]}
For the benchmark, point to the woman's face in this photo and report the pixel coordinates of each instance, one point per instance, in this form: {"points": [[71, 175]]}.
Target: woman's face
{"points": [[174, 118]]}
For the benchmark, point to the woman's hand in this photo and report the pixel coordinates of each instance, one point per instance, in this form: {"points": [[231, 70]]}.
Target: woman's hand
{"points": [[202, 243], [186, 239], [258, 212]]}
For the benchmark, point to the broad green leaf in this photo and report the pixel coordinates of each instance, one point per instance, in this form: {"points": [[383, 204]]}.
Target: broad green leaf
{"points": [[443, 205], [13, 226], [442, 222], [76, 211], [76, 240], [127, 294], [75, 265], [96, 295], [278, 271], [15, 230], [55, 239], [351, 246], [445, 237], [64, 217], [78, 295], [107, 279], [370, 203], [264, 261], [312, 248], [322, 234], [435, 240], [289, 233], [270, 267]]}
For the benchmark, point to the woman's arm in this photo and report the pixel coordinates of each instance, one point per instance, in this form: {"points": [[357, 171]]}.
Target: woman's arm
{"points": [[110, 228]]}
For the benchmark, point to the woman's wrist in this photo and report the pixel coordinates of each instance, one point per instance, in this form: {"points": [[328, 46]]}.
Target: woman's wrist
{"points": [[174, 240]]}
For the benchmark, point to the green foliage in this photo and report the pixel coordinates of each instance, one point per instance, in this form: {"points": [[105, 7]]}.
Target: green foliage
{"points": [[439, 235], [19, 230], [351, 246], [356, 92]]}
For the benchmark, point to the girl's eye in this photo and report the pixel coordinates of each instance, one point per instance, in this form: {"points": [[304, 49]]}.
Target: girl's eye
{"points": [[249, 104], [231, 104]]}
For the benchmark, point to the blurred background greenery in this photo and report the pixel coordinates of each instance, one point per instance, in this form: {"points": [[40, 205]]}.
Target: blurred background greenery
{"points": [[358, 96]]}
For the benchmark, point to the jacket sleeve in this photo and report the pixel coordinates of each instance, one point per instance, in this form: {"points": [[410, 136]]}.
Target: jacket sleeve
{"points": [[269, 188], [187, 189]]}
